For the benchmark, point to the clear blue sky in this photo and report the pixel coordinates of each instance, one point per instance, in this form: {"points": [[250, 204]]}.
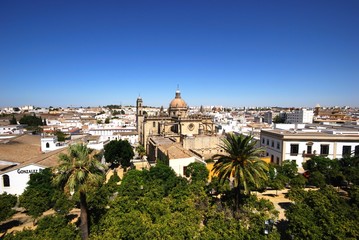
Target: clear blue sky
{"points": [[230, 53]]}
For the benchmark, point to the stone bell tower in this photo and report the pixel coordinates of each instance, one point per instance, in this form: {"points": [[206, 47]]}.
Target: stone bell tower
{"points": [[139, 119]]}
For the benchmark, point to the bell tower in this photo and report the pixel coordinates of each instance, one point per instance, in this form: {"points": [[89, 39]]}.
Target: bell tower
{"points": [[139, 119]]}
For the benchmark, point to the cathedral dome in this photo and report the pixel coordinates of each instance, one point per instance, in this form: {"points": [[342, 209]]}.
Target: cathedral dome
{"points": [[178, 102]]}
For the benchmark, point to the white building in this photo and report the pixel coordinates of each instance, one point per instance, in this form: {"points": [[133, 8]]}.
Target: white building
{"points": [[27, 108], [15, 180], [300, 116], [71, 122], [178, 158], [114, 133], [20, 157], [179, 165], [131, 137], [171, 152], [11, 129], [301, 145], [49, 144]]}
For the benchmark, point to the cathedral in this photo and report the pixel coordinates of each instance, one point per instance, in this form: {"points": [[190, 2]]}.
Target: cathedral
{"points": [[189, 133]]}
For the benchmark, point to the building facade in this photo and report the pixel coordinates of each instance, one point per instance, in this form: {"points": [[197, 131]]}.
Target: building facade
{"points": [[300, 116], [176, 123], [301, 145], [177, 137]]}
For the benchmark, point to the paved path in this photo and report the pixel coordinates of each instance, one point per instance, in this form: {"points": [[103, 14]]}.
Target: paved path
{"points": [[279, 201]]}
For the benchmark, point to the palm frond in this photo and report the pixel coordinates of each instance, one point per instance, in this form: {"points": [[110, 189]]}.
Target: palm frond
{"points": [[78, 169], [240, 161]]}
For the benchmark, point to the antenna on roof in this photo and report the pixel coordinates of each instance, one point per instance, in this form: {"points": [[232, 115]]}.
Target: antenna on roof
{"points": [[177, 87]]}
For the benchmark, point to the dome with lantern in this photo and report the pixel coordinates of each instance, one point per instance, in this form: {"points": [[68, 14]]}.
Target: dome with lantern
{"points": [[178, 107]]}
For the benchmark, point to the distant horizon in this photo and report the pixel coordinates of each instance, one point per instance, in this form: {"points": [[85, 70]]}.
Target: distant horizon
{"points": [[166, 106], [219, 53]]}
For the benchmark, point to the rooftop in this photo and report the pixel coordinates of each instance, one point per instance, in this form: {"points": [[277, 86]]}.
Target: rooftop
{"points": [[25, 150], [20, 149], [324, 134], [175, 151]]}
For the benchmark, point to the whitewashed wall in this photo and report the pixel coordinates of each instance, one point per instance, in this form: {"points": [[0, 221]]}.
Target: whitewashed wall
{"points": [[18, 179]]}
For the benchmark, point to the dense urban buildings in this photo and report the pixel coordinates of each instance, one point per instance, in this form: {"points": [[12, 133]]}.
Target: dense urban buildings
{"points": [[178, 136]]}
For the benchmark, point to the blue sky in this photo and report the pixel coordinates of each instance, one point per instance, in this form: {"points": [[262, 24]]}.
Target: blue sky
{"points": [[230, 53]]}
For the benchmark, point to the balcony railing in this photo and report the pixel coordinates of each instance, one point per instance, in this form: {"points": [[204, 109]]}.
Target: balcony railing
{"points": [[308, 155]]}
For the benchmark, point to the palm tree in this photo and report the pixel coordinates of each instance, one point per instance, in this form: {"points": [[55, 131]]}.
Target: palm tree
{"points": [[240, 163], [77, 172]]}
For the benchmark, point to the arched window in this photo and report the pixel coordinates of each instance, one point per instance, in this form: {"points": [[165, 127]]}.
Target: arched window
{"points": [[6, 180], [47, 145]]}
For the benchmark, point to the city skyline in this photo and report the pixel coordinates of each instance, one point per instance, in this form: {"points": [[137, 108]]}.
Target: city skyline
{"points": [[229, 53]]}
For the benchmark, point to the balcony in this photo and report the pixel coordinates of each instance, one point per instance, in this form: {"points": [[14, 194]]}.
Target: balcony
{"points": [[309, 155]]}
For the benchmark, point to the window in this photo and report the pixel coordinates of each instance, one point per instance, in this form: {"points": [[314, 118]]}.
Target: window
{"points": [[263, 141], [268, 142], [271, 158], [272, 143], [309, 149], [278, 145], [324, 149], [356, 151], [277, 160], [47, 145], [294, 149], [154, 124], [6, 180], [347, 150]]}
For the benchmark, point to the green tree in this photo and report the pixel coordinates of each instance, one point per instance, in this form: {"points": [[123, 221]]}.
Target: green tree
{"points": [[215, 187], [41, 195], [61, 203], [218, 224], [298, 181], [119, 152], [289, 169], [330, 168], [241, 162], [7, 202], [49, 228], [321, 214], [321, 164], [77, 172], [152, 204], [141, 151], [317, 179], [278, 119], [349, 166], [31, 121], [13, 120], [37, 197], [61, 137], [276, 180], [198, 172]]}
